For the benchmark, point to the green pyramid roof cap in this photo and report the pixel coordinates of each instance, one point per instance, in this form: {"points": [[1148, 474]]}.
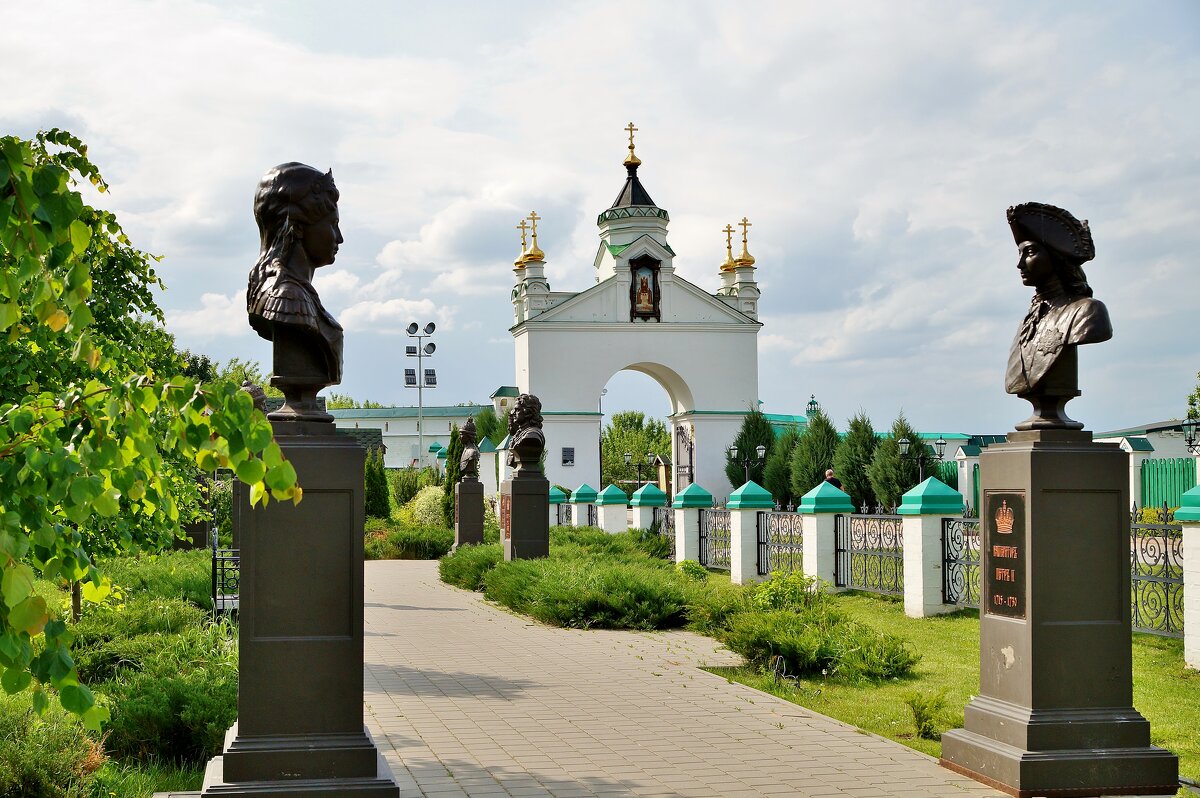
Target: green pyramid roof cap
{"points": [[612, 495], [931, 497], [435, 447], [751, 496], [649, 495], [557, 495], [486, 446], [825, 498], [1189, 506], [584, 494], [693, 496], [443, 454]]}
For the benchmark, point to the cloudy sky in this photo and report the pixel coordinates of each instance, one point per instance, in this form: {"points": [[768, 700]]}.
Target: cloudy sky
{"points": [[874, 146]]}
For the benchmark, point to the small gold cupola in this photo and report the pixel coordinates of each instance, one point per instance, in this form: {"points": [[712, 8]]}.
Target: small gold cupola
{"points": [[631, 159], [534, 253], [730, 264], [519, 263], [745, 259]]}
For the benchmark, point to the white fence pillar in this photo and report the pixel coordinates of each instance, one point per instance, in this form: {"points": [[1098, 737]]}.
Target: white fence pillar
{"points": [[744, 505], [581, 499], [924, 507], [1188, 516], [687, 505], [820, 508], [612, 509], [644, 500]]}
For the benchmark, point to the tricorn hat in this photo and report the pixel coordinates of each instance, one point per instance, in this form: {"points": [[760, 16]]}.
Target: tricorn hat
{"points": [[1053, 227]]}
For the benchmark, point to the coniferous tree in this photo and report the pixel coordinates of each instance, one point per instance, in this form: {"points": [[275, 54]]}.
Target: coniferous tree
{"points": [[813, 453], [853, 457], [377, 502], [489, 425], [756, 431], [453, 455], [892, 475], [777, 476]]}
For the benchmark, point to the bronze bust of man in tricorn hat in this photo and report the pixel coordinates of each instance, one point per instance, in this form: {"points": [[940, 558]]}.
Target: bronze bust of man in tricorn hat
{"points": [[1043, 364]]}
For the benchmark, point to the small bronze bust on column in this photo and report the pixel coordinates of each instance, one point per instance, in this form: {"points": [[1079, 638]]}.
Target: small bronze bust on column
{"points": [[1043, 365], [527, 442], [468, 464], [296, 210]]}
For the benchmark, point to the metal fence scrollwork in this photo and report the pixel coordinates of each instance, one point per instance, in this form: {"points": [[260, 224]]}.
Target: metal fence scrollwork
{"points": [[564, 514], [226, 578], [663, 519], [780, 542], [592, 515], [715, 539], [1156, 570], [869, 553], [960, 561]]}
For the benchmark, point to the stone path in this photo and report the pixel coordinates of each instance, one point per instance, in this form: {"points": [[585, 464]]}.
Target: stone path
{"points": [[466, 699]]}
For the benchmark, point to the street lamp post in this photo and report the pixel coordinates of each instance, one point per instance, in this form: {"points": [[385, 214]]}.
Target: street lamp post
{"points": [[760, 453], [919, 455], [419, 378], [629, 461]]}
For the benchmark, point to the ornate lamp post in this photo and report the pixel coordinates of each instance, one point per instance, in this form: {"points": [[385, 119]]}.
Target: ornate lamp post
{"points": [[760, 453], [1190, 438], [629, 461], [420, 378], [939, 447]]}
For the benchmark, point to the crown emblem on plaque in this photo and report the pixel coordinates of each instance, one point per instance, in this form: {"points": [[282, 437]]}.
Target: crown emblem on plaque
{"points": [[1004, 519]]}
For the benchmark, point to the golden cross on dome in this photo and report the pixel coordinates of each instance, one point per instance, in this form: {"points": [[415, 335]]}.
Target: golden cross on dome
{"points": [[523, 227], [728, 264], [744, 223], [631, 159], [534, 252], [745, 259]]}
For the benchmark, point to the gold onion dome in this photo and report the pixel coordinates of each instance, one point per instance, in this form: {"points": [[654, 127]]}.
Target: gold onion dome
{"points": [[730, 264], [631, 159], [524, 256], [745, 259], [534, 252]]}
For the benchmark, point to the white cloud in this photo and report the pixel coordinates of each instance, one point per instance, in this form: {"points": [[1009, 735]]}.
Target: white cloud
{"points": [[218, 316]]}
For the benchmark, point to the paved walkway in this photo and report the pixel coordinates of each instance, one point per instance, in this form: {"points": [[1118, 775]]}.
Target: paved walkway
{"points": [[467, 699]]}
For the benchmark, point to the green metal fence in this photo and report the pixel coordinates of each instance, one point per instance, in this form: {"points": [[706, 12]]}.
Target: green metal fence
{"points": [[1166, 479]]}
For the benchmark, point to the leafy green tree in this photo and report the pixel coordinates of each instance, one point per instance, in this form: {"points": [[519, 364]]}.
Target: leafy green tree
{"points": [[378, 505], [630, 431], [852, 458], [777, 476], [1194, 400], [239, 371], [488, 425], [453, 454], [95, 415], [892, 475], [340, 401], [755, 431], [198, 367], [813, 454]]}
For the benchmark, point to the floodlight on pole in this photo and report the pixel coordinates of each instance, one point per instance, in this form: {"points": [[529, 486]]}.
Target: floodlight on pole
{"points": [[422, 377]]}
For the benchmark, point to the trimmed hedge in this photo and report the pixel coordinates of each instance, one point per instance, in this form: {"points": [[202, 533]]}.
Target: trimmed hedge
{"points": [[387, 540]]}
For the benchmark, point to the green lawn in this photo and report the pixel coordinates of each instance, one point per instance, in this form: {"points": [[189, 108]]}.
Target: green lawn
{"points": [[1164, 691]]}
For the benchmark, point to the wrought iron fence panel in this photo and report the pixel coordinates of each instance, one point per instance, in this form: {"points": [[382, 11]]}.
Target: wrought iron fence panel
{"points": [[780, 542], [563, 516], [592, 513], [663, 519], [869, 553], [226, 579], [715, 539], [1156, 570], [960, 561]]}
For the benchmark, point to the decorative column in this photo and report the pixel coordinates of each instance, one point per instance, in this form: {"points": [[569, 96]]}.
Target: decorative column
{"points": [[525, 499], [924, 508], [687, 505], [557, 499], [581, 498], [744, 505], [1188, 516], [820, 508], [644, 500], [612, 508]]}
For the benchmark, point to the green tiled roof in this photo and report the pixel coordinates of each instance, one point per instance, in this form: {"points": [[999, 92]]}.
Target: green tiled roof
{"points": [[486, 446], [1139, 444], [505, 390], [931, 497]]}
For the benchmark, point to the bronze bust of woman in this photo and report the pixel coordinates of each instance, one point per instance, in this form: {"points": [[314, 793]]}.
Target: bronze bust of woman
{"points": [[1043, 364], [296, 210]]}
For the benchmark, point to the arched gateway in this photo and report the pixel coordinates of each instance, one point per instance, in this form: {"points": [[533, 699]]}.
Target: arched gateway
{"points": [[701, 348]]}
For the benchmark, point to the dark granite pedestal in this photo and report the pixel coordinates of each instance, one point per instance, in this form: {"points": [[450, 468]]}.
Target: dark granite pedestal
{"points": [[525, 516], [468, 512], [1054, 715], [300, 661]]}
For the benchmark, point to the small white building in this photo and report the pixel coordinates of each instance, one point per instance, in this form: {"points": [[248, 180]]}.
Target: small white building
{"points": [[398, 425]]}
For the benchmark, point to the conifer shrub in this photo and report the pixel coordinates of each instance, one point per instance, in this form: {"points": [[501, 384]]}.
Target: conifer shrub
{"points": [[180, 574], [376, 486], [404, 483], [426, 506], [712, 603], [44, 756], [386, 540], [467, 566]]}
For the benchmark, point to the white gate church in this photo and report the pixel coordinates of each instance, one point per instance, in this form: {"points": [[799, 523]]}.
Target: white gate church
{"points": [[701, 348]]}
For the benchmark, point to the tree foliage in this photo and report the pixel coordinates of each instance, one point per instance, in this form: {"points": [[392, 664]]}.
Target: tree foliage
{"points": [[489, 425], [852, 458], [454, 453], [341, 401], [94, 411], [630, 431], [892, 475], [1194, 400], [777, 476], [378, 505], [813, 454], [239, 371], [755, 431]]}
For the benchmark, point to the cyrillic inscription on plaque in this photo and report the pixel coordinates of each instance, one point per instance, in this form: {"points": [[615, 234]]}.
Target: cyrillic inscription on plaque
{"points": [[506, 515], [1004, 577]]}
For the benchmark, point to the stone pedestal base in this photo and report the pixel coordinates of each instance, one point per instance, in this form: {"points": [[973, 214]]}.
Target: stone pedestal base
{"points": [[468, 513], [332, 765], [1054, 716], [525, 517]]}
